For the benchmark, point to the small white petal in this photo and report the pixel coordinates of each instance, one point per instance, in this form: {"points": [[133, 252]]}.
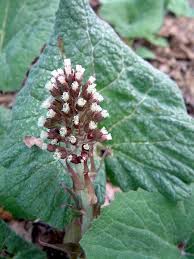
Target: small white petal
{"points": [[72, 139], [57, 155], [41, 121], [104, 113], [92, 125], [49, 86], [63, 131], [92, 79], [95, 107], [50, 113], [61, 79], [69, 158], [86, 146], [79, 72], [109, 137], [67, 65], [47, 103], [75, 85], [66, 108], [60, 71], [98, 97], [43, 135], [91, 89], [44, 146], [81, 102], [53, 80], [54, 73], [104, 131], [76, 119], [65, 96]]}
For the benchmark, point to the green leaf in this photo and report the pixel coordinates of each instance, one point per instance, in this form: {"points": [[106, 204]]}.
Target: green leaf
{"points": [[5, 118], [152, 143], [145, 53], [158, 41], [100, 181], [180, 8], [30, 186], [24, 29], [15, 246], [133, 18], [142, 225]]}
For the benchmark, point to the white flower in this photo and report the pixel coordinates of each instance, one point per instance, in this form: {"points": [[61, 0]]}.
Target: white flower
{"points": [[57, 72], [91, 89], [60, 71], [43, 135], [95, 107], [54, 73], [75, 85], [50, 113], [49, 86], [67, 65], [61, 79], [104, 131], [53, 80], [98, 97], [76, 119], [72, 139], [41, 121], [81, 102], [63, 131], [109, 137], [86, 146], [79, 72], [57, 155], [44, 146], [66, 108], [47, 103], [92, 125], [69, 158], [65, 96], [104, 113], [92, 79]]}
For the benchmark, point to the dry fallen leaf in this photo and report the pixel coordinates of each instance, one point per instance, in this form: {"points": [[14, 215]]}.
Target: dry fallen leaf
{"points": [[110, 193], [32, 141]]}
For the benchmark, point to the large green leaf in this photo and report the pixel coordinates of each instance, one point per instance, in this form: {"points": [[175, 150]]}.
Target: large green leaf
{"points": [[12, 246], [24, 28], [134, 18], [152, 143], [139, 225]]}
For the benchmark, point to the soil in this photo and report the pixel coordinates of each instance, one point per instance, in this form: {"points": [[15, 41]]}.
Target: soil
{"points": [[177, 59]]}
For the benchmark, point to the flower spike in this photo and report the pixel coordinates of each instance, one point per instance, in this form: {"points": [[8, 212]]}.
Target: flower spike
{"points": [[71, 123]]}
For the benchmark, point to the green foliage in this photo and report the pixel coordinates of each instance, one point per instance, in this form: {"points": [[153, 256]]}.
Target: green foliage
{"points": [[145, 53], [134, 18], [5, 118], [142, 19], [153, 136], [142, 225], [15, 246], [25, 27], [180, 7]]}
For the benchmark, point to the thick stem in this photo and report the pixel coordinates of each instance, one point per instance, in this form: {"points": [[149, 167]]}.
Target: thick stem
{"points": [[88, 200]]}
